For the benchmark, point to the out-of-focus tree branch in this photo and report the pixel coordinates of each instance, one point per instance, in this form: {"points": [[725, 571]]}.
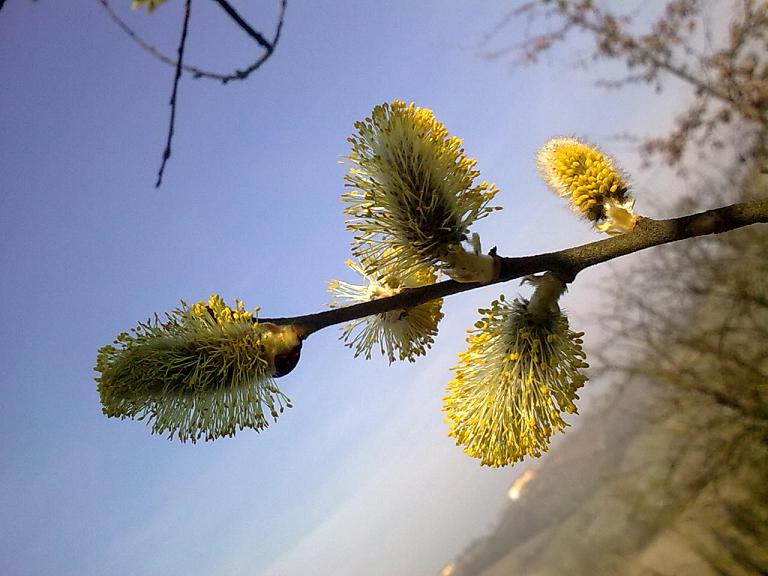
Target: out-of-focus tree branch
{"points": [[727, 72]]}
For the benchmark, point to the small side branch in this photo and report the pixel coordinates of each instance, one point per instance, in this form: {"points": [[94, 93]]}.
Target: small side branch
{"points": [[176, 78], [565, 263]]}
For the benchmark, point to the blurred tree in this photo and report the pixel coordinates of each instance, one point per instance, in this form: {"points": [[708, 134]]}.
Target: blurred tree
{"points": [[695, 318], [719, 50]]}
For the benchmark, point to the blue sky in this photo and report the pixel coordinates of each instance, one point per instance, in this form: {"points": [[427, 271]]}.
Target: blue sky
{"points": [[359, 477]]}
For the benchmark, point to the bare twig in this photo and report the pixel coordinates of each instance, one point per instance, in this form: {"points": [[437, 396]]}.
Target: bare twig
{"points": [[178, 63], [565, 263], [196, 72], [244, 25], [176, 78], [245, 72]]}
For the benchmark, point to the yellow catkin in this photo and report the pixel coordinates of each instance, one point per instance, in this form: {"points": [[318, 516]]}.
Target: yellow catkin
{"points": [[398, 334], [411, 194], [518, 376], [204, 371], [590, 181]]}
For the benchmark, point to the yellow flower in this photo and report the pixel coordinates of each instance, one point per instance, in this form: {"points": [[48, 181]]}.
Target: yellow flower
{"points": [[519, 374], [399, 334], [590, 181], [412, 193], [206, 371]]}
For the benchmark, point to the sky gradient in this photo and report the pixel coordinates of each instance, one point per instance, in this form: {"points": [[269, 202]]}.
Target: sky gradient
{"points": [[359, 477]]}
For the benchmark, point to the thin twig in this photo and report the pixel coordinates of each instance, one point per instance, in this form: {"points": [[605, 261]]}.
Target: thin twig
{"points": [[196, 72], [244, 73], [565, 263], [120, 23], [244, 25], [176, 78]]}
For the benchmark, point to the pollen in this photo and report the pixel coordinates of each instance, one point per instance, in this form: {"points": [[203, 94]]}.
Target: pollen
{"points": [[519, 375]]}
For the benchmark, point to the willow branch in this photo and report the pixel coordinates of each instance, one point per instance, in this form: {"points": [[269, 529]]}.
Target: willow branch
{"points": [[565, 263]]}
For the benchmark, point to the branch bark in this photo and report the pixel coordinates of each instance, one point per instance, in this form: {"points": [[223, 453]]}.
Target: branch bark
{"points": [[565, 263]]}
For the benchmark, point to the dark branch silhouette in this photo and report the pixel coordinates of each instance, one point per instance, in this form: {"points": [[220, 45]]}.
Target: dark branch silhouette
{"points": [[244, 25], [179, 66], [176, 78], [194, 71], [565, 263]]}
